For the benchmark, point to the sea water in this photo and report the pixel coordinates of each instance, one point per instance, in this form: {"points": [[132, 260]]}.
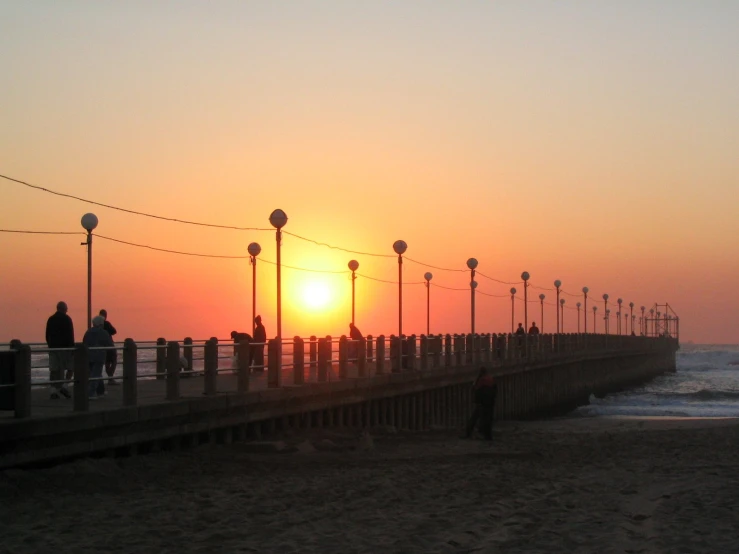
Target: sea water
{"points": [[706, 384]]}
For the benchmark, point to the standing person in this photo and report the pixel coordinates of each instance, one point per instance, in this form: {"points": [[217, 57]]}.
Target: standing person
{"points": [[485, 391], [355, 335], [520, 330], [97, 336], [260, 338], [533, 330], [60, 334], [111, 356]]}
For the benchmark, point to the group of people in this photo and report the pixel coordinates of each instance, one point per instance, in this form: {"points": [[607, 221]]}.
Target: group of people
{"points": [[60, 335], [533, 330], [256, 344]]}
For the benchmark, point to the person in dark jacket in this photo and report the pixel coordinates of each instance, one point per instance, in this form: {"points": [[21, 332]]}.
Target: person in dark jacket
{"points": [[97, 336], [520, 330], [60, 334], [355, 335], [485, 391], [111, 356], [239, 337], [260, 338], [533, 330]]}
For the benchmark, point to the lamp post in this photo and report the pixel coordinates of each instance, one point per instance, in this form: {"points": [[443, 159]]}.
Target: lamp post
{"points": [[525, 276], [651, 318], [399, 246], [585, 291], [607, 318], [618, 321], [631, 314], [656, 321], [89, 222], [278, 219], [595, 319], [513, 306], [605, 308], [557, 284], [254, 250], [541, 298], [633, 319], [353, 265], [472, 264], [641, 327], [562, 312], [428, 276], [626, 324], [578, 317]]}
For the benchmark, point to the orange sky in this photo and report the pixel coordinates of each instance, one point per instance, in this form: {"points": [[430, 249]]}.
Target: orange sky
{"points": [[593, 144]]}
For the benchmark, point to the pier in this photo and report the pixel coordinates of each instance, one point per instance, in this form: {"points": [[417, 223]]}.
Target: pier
{"points": [[197, 392]]}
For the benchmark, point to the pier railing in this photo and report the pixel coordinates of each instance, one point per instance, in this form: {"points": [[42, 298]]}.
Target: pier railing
{"points": [[303, 361]]}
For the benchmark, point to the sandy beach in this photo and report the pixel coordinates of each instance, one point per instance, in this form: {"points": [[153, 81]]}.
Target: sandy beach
{"points": [[568, 485]]}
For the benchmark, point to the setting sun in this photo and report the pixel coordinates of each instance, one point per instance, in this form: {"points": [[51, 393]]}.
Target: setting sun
{"points": [[316, 295]]}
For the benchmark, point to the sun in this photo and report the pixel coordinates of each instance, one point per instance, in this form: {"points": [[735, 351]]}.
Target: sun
{"points": [[316, 295]]}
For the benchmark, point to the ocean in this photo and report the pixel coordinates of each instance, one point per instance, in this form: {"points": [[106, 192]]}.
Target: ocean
{"points": [[706, 384]]}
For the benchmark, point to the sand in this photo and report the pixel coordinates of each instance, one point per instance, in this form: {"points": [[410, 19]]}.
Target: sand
{"points": [[577, 485]]}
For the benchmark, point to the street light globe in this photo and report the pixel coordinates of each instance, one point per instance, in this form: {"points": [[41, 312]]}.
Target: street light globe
{"points": [[473, 284], [585, 290], [562, 301], [578, 305], [620, 300], [254, 249], [643, 308], [428, 275], [542, 297], [278, 219], [472, 263], [605, 297], [631, 304], [525, 276], [595, 308], [557, 283], [353, 265], [608, 311], [513, 290], [400, 247], [89, 221]]}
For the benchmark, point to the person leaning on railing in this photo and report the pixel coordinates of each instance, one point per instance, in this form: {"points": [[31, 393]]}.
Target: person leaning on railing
{"points": [[60, 334]]}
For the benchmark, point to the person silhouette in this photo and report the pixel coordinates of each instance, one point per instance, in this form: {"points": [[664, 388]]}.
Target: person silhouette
{"points": [[260, 339], [533, 330]]}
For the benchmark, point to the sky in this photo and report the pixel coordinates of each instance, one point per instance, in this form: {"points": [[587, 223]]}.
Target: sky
{"points": [[588, 141]]}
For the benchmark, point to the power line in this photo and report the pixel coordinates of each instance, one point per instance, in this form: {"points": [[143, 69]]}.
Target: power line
{"points": [[338, 247], [185, 221], [498, 280], [41, 232], [390, 282], [432, 266]]}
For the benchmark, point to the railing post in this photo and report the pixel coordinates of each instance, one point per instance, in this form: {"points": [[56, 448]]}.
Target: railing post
{"points": [[448, 350], [458, 349], [370, 355], [380, 355], [424, 353], [22, 379], [469, 349], [410, 353], [187, 353], [81, 378], [323, 357], [313, 356], [173, 370], [210, 367], [394, 354], [274, 379], [343, 356], [243, 352], [362, 358], [130, 370], [161, 358], [298, 361], [438, 341]]}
